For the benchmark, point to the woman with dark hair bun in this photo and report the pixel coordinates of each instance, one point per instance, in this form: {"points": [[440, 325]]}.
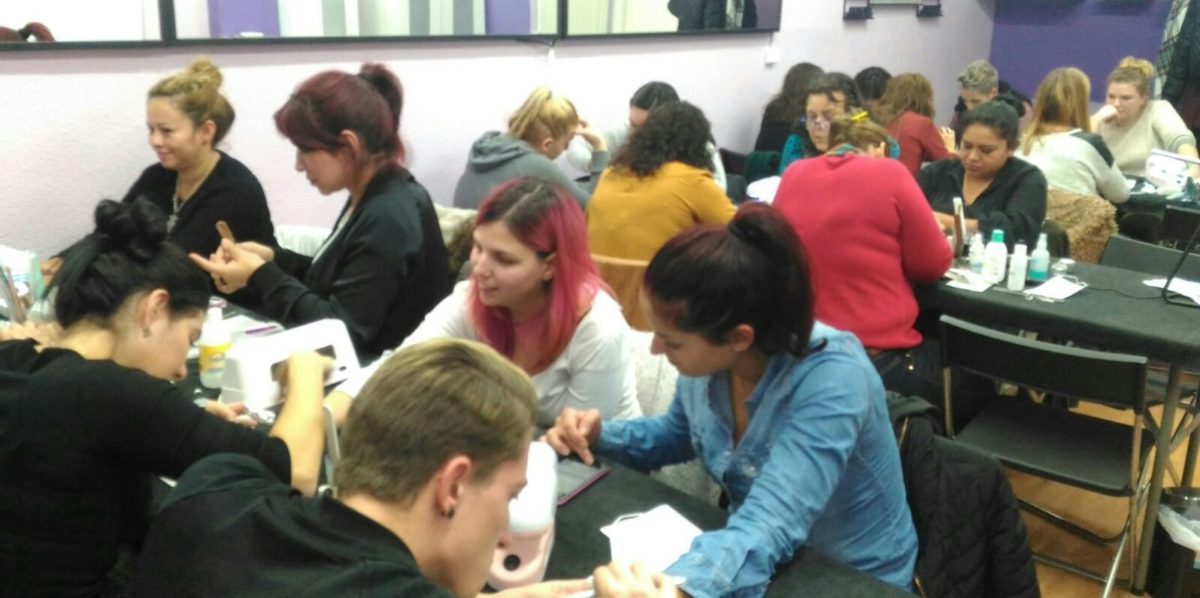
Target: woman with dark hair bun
{"points": [[194, 184], [88, 419], [787, 414], [658, 185], [384, 266]]}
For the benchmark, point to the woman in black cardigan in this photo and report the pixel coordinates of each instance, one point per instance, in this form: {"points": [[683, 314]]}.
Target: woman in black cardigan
{"points": [[384, 266], [194, 184]]}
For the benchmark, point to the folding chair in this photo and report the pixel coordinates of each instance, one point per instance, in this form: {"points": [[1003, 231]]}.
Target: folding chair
{"points": [[1089, 453]]}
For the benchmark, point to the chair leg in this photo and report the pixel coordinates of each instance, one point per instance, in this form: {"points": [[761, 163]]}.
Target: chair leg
{"points": [[1068, 525], [1116, 564]]}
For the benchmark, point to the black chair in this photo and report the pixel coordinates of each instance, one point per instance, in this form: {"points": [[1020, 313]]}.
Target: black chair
{"points": [[733, 162], [1147, 258], [1178, 226], [1089, 453]]}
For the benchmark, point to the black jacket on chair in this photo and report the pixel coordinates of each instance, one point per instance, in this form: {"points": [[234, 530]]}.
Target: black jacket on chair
{"points": [[380, 273], [971, 539]]}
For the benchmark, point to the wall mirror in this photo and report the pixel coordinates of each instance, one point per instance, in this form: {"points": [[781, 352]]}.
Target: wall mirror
{"points": [[625, 17], [362, 19], [74, 22]]}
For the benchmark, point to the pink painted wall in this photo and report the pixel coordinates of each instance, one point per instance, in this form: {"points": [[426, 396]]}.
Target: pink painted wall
{"points": [[72, 130]]}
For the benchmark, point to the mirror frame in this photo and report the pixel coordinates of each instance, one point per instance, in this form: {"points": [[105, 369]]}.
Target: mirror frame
{"points": [[169, 37]]}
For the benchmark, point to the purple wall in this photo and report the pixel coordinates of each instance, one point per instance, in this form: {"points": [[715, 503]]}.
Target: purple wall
{"points": [[507, 17], [228, 18], [1032, 37]]}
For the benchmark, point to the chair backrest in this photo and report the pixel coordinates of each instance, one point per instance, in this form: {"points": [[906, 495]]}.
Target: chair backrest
{"points": [[1179, 224], [1147, 258], [1111, 378], [625, 278], [1088, 222]]}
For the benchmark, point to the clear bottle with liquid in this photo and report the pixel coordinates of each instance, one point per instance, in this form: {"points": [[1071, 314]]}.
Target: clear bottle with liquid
{"points": [[975, 253], [1039, 261], [1016, 268], [214, 342]]}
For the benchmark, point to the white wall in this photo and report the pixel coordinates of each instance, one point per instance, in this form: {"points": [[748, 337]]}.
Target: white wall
{"points": [[72, 131]]}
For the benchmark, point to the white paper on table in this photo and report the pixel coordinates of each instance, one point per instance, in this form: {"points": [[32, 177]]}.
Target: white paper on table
{"points": [[967, 280], [1187, 288], [1057, 289], [656, 538], [764, 189]]}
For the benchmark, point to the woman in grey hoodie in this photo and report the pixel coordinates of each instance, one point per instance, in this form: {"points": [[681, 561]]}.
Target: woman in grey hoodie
{"points": [[538, 132]]}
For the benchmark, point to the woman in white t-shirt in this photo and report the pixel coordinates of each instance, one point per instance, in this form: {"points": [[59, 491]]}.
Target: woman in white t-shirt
{"points": [[535, 296], [1059, 140], [1133, 125]]}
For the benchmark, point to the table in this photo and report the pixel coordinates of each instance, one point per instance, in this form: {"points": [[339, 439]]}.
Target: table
{"points": [[1118, 312], [579, 546]]}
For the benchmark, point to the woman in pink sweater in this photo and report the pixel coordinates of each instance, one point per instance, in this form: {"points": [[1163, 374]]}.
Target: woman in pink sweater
{"points": [[870, 234]]}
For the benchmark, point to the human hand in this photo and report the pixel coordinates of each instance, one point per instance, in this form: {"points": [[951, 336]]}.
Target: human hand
{"points": [[266, 253], [546, 589], [948, 138], [945, 222], [575, 431], [42, 334], [1104, 114], [231, 265], [50, 268], [618, 581], [303, 368], [234, 412], [589, 134]]}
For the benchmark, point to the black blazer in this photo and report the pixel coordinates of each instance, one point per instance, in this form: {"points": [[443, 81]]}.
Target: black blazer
{"points": [[380, 274], [231, 193]]}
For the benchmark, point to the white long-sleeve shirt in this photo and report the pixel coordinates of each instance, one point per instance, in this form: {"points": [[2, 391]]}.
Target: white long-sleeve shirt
{"points": [[594, 371], [1077, 162], [1158, 127]]}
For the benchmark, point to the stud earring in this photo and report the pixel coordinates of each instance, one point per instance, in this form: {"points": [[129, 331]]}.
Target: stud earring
{"points": [[449, 514]]}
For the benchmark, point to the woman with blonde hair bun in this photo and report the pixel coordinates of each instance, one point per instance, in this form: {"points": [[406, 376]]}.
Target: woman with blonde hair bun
{"points": [[538, 133], [1133, 124], [1059, 140], [194, 184]]}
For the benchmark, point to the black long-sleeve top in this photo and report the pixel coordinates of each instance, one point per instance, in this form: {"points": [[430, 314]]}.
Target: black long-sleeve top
{"points": [[1015, 202], [79, 442], [231, 193], [379, 273]]}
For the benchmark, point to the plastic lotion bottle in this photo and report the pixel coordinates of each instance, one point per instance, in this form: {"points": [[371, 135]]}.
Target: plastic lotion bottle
{"points": [[975, 253], [1016, 268], [995, 258], [214, 343], [1039, 261]]}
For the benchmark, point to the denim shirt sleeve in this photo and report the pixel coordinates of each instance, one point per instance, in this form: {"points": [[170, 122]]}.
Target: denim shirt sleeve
{"points": [[808, 457], [648, 443]]}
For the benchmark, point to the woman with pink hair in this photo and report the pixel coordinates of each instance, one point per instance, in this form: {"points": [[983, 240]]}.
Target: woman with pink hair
{"points": [[535, 296]]}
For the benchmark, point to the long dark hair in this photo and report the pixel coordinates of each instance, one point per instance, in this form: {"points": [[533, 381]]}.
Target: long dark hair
{"points": [[788, 105], [673, 132], [128, 253], [709, 279]]}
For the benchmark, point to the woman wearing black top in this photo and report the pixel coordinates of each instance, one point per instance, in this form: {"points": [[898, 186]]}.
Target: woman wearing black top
{"points": [[384, 266], [193, 183], [85, 421], [785, 111], [998, 190]]}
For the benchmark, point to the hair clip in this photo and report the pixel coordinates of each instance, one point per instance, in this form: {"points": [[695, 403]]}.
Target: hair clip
{"points": [[860, 116]]}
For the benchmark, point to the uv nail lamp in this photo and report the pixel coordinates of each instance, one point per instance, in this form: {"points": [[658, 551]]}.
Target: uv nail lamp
{"points": [[521, 559], [253, 362]]}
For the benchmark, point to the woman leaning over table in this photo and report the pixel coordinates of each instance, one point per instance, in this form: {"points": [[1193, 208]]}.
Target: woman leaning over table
{"points": [[787, 414]]}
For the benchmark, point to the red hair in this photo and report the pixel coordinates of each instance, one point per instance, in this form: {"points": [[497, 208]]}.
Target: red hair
{"points": [[369, 104], [548, 220]]}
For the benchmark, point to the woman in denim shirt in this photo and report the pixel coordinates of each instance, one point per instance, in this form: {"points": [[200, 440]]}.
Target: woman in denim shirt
{"points": [[788, 415]]}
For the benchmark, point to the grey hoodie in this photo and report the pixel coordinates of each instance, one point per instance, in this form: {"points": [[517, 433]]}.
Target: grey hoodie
{"points": [[497, 158]]}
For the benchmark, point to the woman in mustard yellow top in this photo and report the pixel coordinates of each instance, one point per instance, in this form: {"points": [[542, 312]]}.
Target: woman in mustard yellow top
{"points": [[659, 184]]}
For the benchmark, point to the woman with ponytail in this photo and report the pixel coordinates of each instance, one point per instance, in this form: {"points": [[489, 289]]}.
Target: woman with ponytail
{"points": [[787, 414], [194, 184], [1133, 125], [536, 298], [538, 133], [384, 266], [87, 420]]}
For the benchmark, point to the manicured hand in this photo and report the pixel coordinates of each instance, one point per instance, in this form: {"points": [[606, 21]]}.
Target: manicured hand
{"points": [[234, 412], [231, 265], [618, 581], [548, 589], [576, 432]]}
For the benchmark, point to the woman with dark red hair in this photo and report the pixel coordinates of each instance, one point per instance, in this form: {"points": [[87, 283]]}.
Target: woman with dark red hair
{"points": [[384, 266], [535, 296]]}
